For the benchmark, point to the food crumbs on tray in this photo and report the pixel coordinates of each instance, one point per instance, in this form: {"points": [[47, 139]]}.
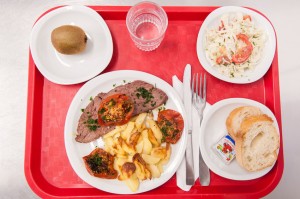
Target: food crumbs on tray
{"points": [[224, 148]]}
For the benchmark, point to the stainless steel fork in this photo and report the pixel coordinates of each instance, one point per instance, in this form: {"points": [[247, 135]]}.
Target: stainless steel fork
{"points": [[199, 102]]}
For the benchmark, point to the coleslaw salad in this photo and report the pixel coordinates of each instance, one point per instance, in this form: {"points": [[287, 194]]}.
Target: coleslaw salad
{"points": [[222, 44]]}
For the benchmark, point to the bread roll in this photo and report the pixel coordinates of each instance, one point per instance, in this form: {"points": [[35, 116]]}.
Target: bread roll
{"points": [[236, 117], [257, 143]]}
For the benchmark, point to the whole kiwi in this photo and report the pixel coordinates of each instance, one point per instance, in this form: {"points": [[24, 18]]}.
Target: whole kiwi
{"points": [[69, 39]]}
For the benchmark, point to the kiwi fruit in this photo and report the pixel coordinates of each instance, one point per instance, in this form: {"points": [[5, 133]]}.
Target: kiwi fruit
{"points": [[68, 39]]}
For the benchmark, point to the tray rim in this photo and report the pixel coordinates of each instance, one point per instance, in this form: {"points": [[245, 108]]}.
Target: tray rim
{"points": [[32, 73]]}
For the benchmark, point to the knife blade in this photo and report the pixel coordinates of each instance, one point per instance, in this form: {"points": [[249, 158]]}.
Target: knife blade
{"points": [[187, 100]]}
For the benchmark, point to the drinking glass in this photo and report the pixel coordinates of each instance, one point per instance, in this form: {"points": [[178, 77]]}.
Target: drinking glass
{"points": [[147, 23]]}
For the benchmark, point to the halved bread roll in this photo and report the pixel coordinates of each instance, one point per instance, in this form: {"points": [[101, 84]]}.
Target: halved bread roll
{"points": [[257, 143], [237, 116]]}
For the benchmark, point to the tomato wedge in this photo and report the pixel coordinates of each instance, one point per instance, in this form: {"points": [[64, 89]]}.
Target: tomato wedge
{"points": [[116, 109], [245, 17], [223, 60], [100, 164], [171, 124], [243, 53]]}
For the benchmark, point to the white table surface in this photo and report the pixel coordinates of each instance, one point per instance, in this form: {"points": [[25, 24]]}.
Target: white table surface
{"points": [[16, 20]]}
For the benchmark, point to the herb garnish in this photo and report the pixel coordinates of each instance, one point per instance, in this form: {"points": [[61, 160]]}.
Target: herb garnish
{"points": [[153, 104], [92, 124], [102, 110], [111, 103], [96, 164], [145, 94], [161, 108]]}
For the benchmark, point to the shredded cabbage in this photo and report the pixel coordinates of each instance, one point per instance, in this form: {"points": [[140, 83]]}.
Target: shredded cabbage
{"points": [[221, 40]]}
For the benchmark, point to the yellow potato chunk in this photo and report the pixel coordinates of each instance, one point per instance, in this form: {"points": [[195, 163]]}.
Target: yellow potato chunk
{"points": [[150, 159], [133, 183], [155, 172], [156, 130], [126, 133]]}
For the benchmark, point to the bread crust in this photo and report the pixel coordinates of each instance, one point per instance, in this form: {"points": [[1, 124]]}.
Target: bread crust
{"points": [[245, 128], [229, 121], [235, 115]]}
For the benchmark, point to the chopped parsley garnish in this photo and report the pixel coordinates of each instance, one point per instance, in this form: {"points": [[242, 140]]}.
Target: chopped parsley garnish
{"points": [[102, 110], [161, 108], [164, 131], [82, 110], [231, 74], [153, 104], [92, 121], [145, 94], [96, 164], [168, 123], [93, 127], [127, 108], [104, 117], [111, 103], [92, 124], [91, 98]]}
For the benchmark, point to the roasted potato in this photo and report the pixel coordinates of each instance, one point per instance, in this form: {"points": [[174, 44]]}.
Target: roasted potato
{"points": [[137, 149]]}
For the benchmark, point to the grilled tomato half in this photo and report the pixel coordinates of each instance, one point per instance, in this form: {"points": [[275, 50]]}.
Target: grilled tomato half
{"points": [[100, 163], [171, 125], [116, 109]]}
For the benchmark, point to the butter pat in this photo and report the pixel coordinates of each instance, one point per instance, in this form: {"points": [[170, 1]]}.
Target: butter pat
{"points": [[224, 148]]}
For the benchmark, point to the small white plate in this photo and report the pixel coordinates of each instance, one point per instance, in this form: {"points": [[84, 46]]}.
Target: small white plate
{"points": [[71, 69], [75, 150], [269, 51], [213, 128]]}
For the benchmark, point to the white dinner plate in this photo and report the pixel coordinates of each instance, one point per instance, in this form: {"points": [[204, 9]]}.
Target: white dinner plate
{"points": [[75, 150], [71, 69], [260, 21], [213, 128]]}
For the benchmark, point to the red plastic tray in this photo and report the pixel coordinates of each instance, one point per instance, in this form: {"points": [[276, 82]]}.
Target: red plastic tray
{"points": [[47, 168]]}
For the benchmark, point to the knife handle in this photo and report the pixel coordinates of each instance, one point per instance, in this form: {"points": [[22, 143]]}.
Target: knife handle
{"points": [[190, 180]]}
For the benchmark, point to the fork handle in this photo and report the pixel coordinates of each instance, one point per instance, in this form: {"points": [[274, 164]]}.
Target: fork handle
{"points": [[201, 117], [190, 180], [204, 175]]}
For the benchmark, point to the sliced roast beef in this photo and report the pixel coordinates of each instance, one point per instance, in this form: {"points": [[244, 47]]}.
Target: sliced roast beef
{"points": [[145, 97], [88, 128]]}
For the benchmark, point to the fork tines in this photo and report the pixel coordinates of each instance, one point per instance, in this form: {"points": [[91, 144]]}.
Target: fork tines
{"points": [[198, 93]]}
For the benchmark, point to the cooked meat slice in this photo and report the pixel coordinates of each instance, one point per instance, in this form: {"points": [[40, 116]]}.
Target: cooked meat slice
{"points": [[88, 128], [145, 97]]}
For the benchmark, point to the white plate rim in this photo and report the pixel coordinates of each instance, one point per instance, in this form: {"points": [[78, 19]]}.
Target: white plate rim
{"points": [[269, 53], [203, 148], [69, 137], [86, 11]]}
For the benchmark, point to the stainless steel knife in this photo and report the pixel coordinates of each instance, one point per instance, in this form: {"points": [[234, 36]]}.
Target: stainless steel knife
{"points": [[187, 99]]}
